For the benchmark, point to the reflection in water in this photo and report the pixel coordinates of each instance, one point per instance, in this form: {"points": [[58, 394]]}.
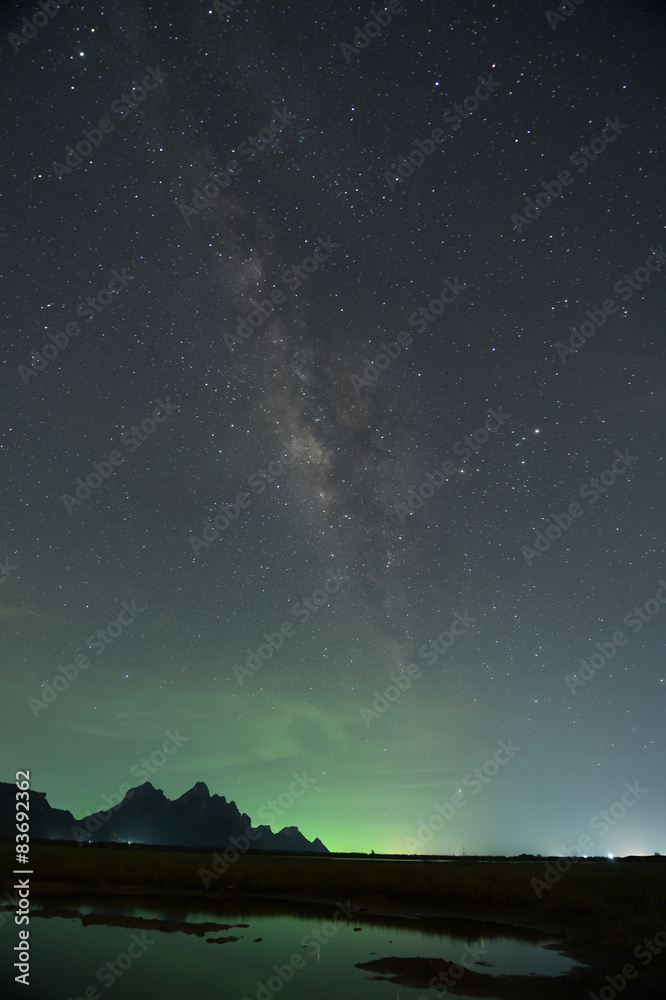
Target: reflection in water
{"points": [[298, 951]]}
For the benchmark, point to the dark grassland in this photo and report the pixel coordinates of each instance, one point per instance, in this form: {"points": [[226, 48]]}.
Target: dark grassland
{"points": [[600, 910]]}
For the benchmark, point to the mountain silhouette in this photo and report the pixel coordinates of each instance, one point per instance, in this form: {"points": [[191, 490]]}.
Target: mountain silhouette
{"points": [[146, 816]]}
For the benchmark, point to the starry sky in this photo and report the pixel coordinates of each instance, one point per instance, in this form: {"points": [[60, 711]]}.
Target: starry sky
{"points": [[305, 458]]}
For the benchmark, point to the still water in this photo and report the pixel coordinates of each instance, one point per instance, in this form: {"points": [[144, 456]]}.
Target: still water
{"points": [[294, 953]]}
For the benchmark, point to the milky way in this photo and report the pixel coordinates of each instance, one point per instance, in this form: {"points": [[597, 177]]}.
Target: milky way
{"points": [[383, 326]]}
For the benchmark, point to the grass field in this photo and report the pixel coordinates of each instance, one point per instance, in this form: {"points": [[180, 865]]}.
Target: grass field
{"points": [[623, 898], [600, 909]]}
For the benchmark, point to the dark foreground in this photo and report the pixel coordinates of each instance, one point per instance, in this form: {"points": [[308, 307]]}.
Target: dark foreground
{"points": [[608, 915]]}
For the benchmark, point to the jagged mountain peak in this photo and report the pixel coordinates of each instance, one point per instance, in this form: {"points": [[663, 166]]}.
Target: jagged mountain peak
{"points": [[199, 790], [146, 816]]}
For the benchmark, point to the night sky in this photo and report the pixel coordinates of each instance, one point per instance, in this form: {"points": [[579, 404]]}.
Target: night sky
{"points": [[287, 347]]}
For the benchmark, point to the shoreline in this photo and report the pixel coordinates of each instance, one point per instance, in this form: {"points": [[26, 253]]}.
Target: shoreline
{"points": [[594, 914], [570, 937]]}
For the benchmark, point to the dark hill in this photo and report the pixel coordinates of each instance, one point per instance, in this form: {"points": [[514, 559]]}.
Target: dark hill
{"points": [[146, 816]]}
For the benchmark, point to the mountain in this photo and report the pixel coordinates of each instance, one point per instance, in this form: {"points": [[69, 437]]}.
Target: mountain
{"points": [[45, 821], [288, 839], [146, 816]]}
